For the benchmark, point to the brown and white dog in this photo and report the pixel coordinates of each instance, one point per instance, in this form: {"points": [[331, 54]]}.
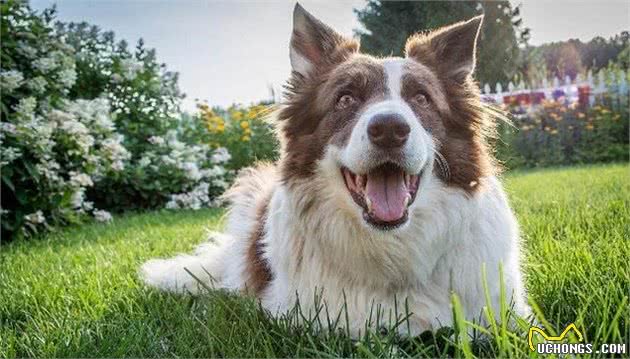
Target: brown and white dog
{"points": [[386, 190]]}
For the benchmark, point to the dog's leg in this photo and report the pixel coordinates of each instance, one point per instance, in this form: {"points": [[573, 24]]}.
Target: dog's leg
{"points": [[189, 273]]}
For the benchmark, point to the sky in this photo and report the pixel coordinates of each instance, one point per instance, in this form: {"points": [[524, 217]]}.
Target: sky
{"points": [[233, 51]]}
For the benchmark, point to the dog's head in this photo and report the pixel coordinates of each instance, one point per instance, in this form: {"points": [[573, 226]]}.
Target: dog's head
{"points": [[382, 128]]}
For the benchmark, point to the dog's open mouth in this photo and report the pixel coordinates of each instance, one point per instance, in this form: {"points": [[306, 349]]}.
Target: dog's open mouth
{"points": [[385, 193]]}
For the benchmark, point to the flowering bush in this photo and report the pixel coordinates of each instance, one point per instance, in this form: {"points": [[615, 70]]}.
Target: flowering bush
{"points": [[86, 123], [245, 131], [52, 148], [166, 167], [561, 133], [176, 173]]}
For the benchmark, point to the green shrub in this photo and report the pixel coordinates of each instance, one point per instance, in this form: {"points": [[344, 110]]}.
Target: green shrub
{"points": [[86, 124], [54, 148], [245, 131], [557, 133], [166, 167]]}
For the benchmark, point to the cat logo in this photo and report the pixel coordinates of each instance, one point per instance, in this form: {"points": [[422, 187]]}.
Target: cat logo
{"points": [[552, 338]]}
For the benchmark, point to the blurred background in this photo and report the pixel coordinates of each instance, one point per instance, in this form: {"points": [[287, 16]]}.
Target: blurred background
{"points": [[112, 106]]}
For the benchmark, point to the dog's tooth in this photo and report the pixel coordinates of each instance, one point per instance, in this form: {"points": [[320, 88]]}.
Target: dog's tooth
{"points": [[407, 199], [369, 204]]}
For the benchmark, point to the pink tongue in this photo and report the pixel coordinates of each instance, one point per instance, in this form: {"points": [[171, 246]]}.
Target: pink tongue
{"points": [[387, 192]]}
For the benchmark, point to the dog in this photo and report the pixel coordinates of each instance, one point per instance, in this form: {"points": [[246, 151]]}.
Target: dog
{"points": [[386, 192]]}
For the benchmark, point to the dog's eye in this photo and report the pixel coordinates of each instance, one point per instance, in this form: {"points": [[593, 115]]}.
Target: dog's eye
{"points": [[345, 101], [421, 99]]}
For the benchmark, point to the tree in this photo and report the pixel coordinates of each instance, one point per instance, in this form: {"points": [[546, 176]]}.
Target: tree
{"points": [[387, 25]]}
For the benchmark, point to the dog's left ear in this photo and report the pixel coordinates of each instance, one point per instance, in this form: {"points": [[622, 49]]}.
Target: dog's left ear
{"points": [[314, 45], [451, 49]]}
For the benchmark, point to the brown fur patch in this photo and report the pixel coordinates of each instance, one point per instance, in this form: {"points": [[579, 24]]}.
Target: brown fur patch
{"points": [[258, 273], [248, 200]]}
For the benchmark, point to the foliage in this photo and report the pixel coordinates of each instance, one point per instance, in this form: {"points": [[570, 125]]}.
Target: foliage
{"points": [[558, 133], [574, 228], [244, 131], [87, 123], [164, 166], [53, 148], [387, 24]]}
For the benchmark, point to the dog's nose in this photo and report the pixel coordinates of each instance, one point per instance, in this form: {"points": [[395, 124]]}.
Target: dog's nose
{"points": [[388, 130]]}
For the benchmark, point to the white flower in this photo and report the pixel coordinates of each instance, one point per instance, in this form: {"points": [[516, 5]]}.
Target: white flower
{"points": [[49, 170], [26, 50], [215, 171], [221, 155], [7, 127], [26, 107], [45, 64], [118, 166], [78, 198], [10, 80], [194, 199], [156, 140], [8, 155], [102, 215], [114, 150], [67, 77], [35, 218], [130, 68], [172, 204], [144, 161], [74, 127], [168, 160], [80, 179], [192, 171], [104, 122], [37, 84], [87, 205], [221, 183]]}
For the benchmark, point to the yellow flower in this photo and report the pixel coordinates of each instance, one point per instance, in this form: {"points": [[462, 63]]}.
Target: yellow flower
{"points": [[236, 115], [553, 132], [616, 117], [605, 111], [244, 124], [581, 115], [589, 127], [245, 138]]}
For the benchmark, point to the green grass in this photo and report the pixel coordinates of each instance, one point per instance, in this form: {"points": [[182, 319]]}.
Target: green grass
{"points": [[76, 294]]}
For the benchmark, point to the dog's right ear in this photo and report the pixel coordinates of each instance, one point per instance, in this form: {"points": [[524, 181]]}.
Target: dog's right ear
{"points": [[314, 45]]}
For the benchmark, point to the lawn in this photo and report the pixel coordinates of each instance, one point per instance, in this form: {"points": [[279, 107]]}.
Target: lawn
{"points": [[75, 293]]}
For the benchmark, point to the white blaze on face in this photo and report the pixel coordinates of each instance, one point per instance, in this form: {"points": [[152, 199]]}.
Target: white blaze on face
{"points": [[360, 155]]}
